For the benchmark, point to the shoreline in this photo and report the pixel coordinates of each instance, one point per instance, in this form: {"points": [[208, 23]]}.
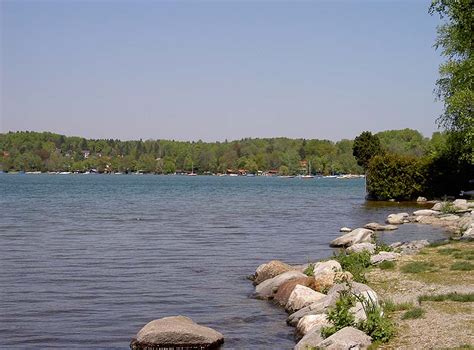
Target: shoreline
{"points": [[311, 293]]}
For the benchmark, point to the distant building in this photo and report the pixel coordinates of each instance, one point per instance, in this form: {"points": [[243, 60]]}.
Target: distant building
{"points": [[6, 154], [86, 154]]}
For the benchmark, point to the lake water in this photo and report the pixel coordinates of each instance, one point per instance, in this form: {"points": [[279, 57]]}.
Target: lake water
{"points": [[87, 260]]}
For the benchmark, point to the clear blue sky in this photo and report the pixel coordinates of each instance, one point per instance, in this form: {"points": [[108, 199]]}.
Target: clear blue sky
{"points": [[213, 70]]}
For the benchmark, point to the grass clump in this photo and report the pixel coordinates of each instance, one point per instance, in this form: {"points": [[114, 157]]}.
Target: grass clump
{"points": [[469, 255], [382, 247], [414, 313], [309, 271], [387, 265], [417, 267], [439, 243], [459, 297], [448, 251], [355, 263], [448, 208], [390, 306], [377, 325], [462, 266]]}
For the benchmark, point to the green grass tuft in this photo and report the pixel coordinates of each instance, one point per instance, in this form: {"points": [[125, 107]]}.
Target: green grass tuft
{"points": [[462, 266], [391, 306], [387, 265], [465, 255], [414, 313], [448, 251], [459, 297], [417, 267]]}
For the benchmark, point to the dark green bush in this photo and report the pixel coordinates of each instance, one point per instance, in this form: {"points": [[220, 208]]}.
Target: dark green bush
{"points": [[340, 315], [394, 176]]}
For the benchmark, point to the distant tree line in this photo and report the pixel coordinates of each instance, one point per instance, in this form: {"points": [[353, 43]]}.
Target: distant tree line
{"points": [[45, 151]]}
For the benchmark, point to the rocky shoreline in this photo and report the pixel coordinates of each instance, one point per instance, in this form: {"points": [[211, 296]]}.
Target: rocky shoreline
{"points": [[311, 293], [308, 292]]}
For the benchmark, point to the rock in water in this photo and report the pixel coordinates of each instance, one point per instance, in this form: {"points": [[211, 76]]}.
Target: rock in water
{"points": [[268, 288], [270, 270], [345, 229], [286, 288], [346, 338], [426, 212], [359, 235], [301, 297], [176, 332], [397, 219], [378, 227]]}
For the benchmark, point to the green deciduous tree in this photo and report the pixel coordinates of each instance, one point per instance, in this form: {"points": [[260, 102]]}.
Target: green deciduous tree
{"points": [[365, 147], [455, 87]]}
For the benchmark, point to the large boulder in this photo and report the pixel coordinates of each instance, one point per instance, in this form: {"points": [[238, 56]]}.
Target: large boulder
{"points": [[439, 206], [426, 212], [359, 235], [325, 267], [360, 247], [270, 270], [268, 288], [345, 339], [358, 289], [421, 199], [174, 332], [397, 219], [378, 227], [286, 288], [325, 281], [307, 323], [302, 296], [319, 307], [384, 256], [461, 204], [310, 340]]}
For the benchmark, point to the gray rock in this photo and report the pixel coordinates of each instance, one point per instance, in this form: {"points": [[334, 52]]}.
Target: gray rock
{"points": [[397, 219], [357, 288], [359, 247], [413, 247], [176, 331], [384, 256], [270, 270], [378, 227], [269, 287], [449, 217], [359, 235], [311, 339], [469, 233], [421, 199], [438, 206], [316, 308], [426, 212], [348, 338], [345, 229], [461, 204], [325, 267], [309, 322], [301, 297]]}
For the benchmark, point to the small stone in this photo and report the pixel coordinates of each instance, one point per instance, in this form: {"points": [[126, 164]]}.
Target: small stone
{"points": [[345, 229], [421, 199]]}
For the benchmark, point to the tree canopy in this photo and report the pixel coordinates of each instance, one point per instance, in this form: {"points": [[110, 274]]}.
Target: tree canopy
{"points": [[456, 82]]}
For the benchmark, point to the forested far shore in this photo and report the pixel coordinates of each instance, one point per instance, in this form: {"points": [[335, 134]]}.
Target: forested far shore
{"points": [[46, 151]]}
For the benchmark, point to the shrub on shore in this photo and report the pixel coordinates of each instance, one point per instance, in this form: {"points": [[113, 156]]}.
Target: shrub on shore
{"points": [[417, 267], [458, 297], [355, 263]]}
